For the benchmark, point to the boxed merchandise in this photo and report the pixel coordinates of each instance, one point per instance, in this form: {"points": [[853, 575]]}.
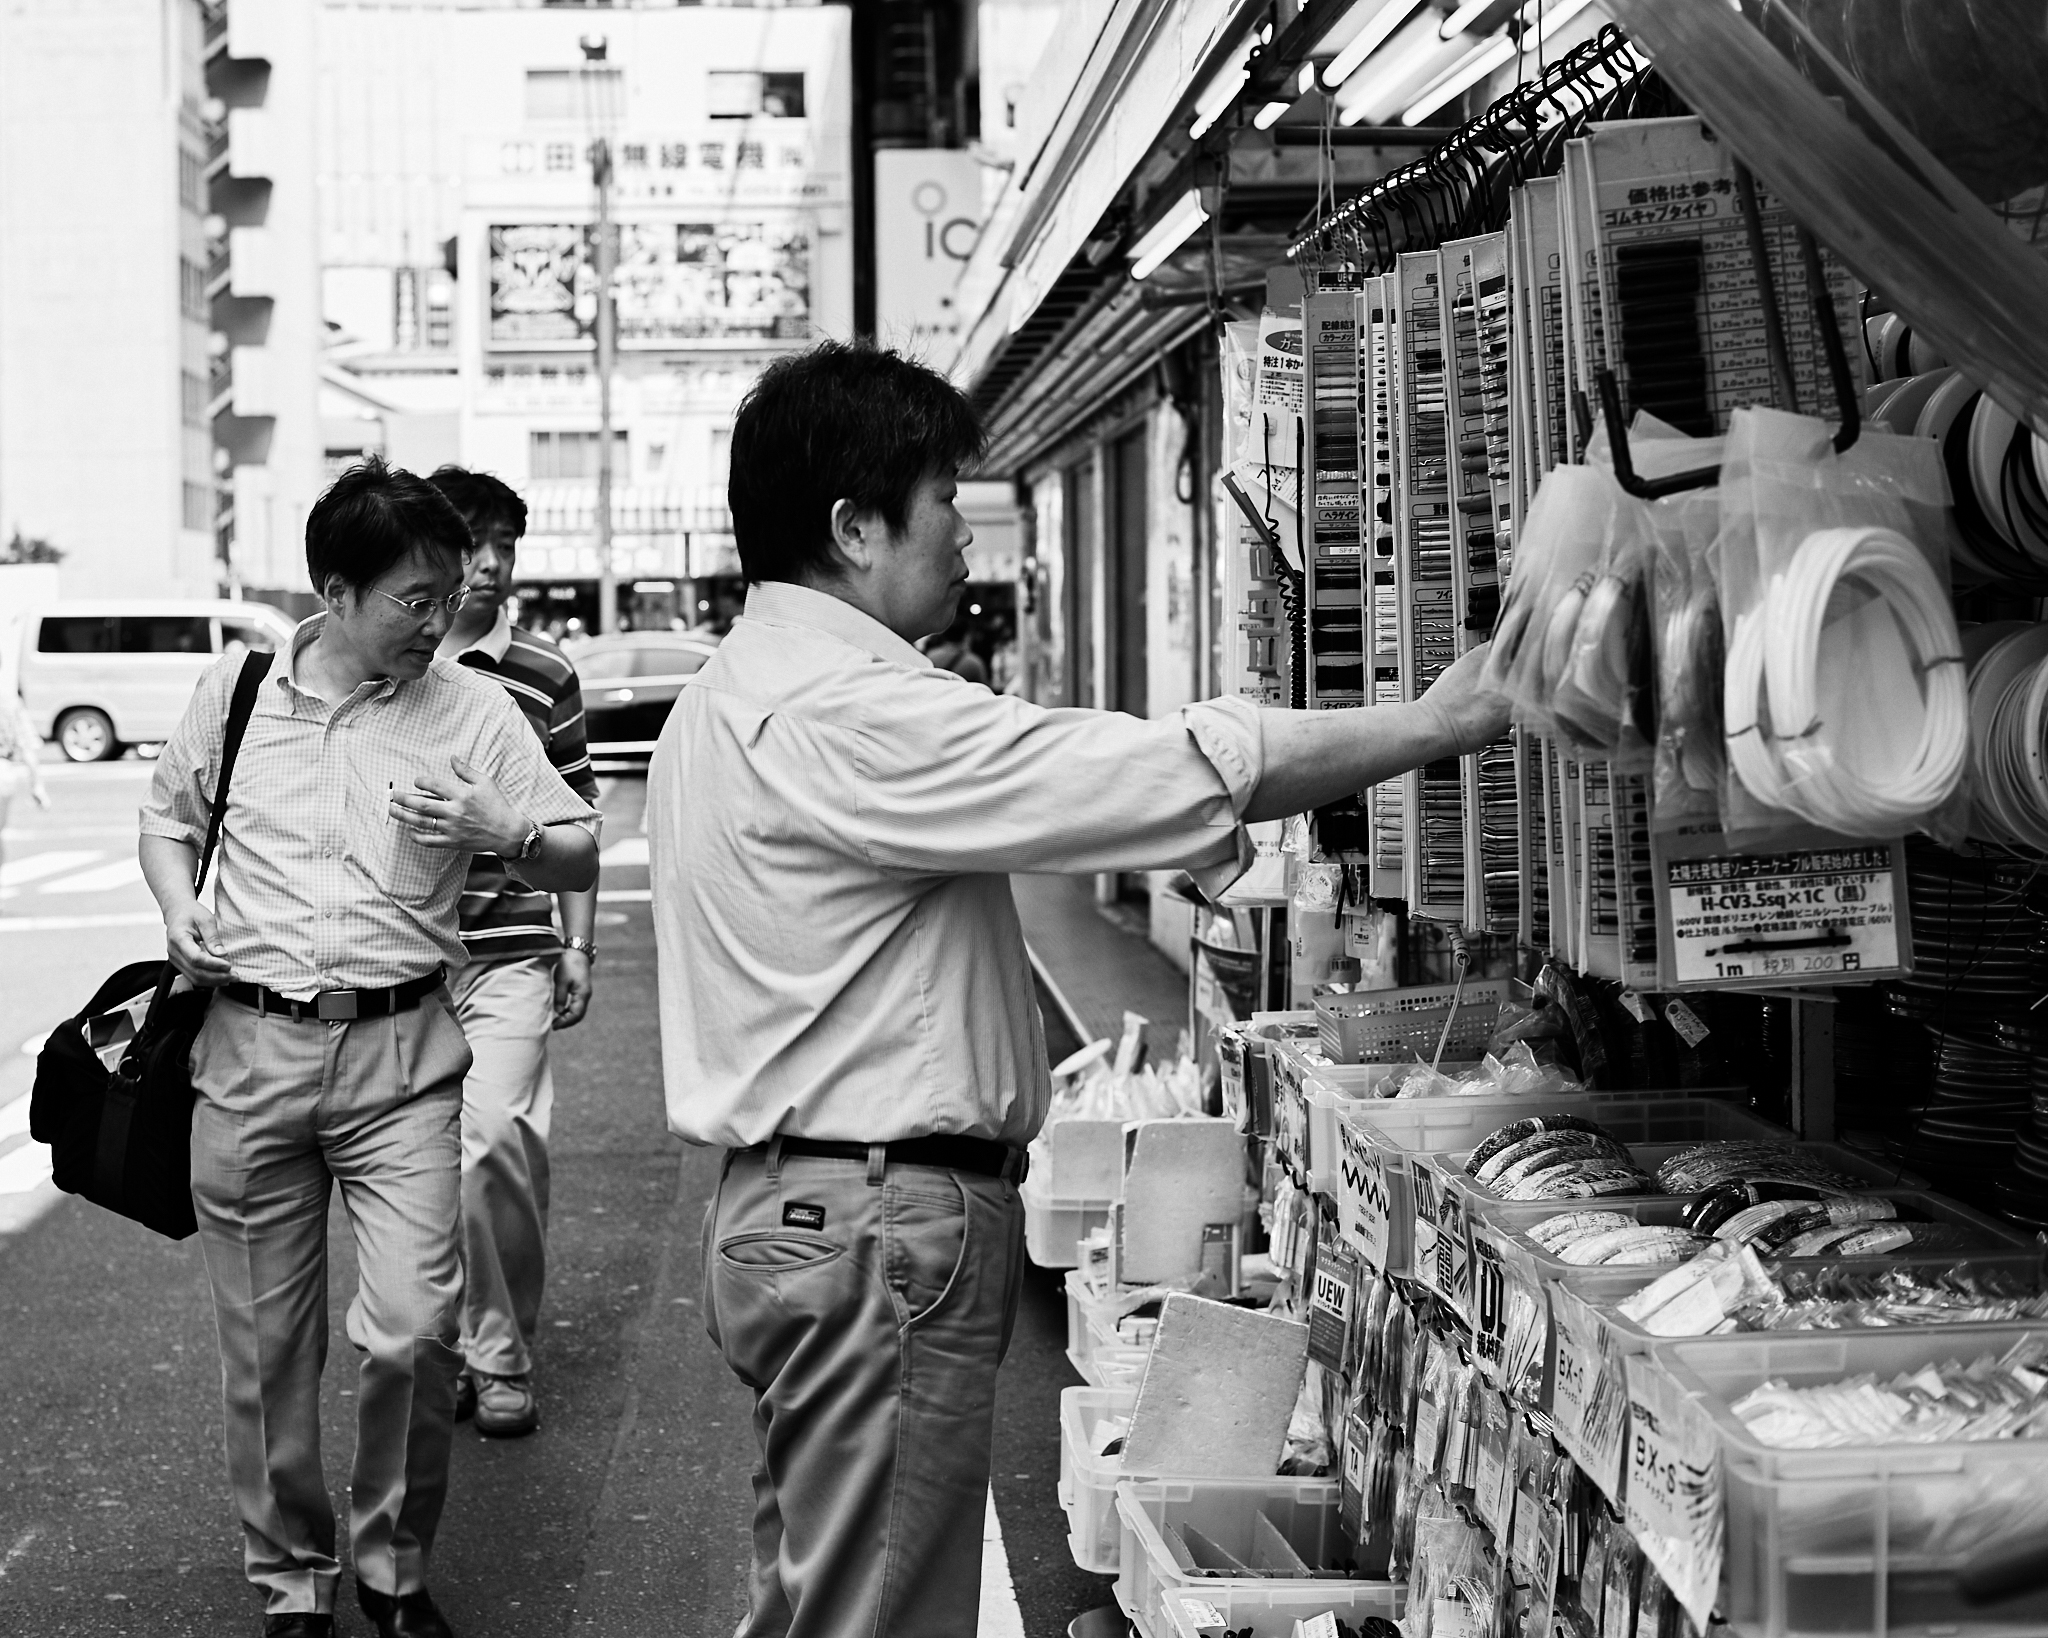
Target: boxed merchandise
{"points": [[1870, 1538], [1271, 1612], [1209, 1533]]}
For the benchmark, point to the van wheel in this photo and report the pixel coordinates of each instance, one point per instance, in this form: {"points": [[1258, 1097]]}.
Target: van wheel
{"points": [[86, 735]]}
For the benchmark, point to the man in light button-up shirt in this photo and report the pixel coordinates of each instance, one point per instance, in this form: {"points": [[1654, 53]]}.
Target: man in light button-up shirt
{"points": [[846, 1002]]}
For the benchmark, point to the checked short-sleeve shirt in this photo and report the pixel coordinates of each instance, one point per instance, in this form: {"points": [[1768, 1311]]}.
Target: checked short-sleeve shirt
{"points": [[317, 886]]}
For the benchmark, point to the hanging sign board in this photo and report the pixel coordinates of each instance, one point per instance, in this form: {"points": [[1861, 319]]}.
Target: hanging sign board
{"points": [[1365, 1196], [1803, 915], [1674, 1491]]}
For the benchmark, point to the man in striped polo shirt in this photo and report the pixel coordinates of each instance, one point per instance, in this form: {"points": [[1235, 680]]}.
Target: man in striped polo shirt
{"points": [[521, 982]]}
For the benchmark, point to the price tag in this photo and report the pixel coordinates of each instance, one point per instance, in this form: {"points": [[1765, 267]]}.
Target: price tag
{"points": [[1365, 1197], [1357, 1457], [1804, 916], [1589, 1403], [1687, 1024], [1674, 1493]]}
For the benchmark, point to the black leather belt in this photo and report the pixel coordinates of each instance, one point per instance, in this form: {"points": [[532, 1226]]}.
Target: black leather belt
{"points": [[956, 1154], [332, 1006]]}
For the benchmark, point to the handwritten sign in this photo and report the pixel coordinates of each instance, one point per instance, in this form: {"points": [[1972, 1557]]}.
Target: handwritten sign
{"points": [[1365, 1195]]}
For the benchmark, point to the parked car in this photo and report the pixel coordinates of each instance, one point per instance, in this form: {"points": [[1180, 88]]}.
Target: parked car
{"points": [[98, 677], [629, 682]]}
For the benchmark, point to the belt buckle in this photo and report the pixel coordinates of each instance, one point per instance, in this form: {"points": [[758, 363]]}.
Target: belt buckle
{"points": [[335, 1005]]}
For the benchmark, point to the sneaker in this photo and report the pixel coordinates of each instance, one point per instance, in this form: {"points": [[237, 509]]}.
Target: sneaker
{"points": [[465, 1395], [506, 1406]]}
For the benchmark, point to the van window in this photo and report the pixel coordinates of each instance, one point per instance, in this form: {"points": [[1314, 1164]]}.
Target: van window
{"points": [[76, 634], [249, 636], [164, 634]]}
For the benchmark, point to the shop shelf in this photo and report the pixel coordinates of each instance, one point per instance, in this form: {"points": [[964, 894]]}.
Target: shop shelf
{"points": [[1270, 1612], [1088, 1481], [1304, 1511], [1859, 1539], [1055, 1225]]}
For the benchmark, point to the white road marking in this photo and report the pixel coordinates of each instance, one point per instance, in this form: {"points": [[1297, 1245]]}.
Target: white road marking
{"points": [[72, 924], [38, 865], [25, 1168], [104, 879], [626, 851], [14, 1118], [22, 1545], [1001, 1615]]}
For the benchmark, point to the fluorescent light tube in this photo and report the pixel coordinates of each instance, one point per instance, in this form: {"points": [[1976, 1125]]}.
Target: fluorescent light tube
{"points": [[1167, 235], [1388, 75], [1378, 29], [1269, 116], [1467, 72], [1463, 18]]}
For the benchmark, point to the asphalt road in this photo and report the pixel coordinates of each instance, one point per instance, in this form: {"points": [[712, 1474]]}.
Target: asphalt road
{"points": [[623, 1517]]}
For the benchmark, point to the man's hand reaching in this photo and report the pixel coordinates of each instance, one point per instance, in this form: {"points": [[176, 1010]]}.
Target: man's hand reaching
{"points": [[1470, 716]]}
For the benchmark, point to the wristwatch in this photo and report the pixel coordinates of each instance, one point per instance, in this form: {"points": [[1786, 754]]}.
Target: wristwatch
{"points": [[530, 848], [582, 946]]}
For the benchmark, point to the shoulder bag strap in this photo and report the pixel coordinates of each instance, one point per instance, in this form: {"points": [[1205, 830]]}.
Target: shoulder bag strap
{"points": [[255, 667]]}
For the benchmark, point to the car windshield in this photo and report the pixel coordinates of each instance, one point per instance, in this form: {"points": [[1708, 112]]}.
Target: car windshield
{"points": [[643, 660]]}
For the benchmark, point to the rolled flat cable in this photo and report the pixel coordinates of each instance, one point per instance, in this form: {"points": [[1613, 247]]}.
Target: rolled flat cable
{"points": [[1795, 760]]}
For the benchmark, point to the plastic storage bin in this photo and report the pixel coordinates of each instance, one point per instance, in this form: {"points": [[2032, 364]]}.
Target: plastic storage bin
{"points": [[1088, 1481], [1270, 1612], [1094, 1347], [1055, 1225], [1304, 1511], [1860, 1539]]}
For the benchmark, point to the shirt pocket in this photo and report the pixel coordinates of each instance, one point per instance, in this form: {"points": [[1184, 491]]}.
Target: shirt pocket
{"points": [[406, 872]]}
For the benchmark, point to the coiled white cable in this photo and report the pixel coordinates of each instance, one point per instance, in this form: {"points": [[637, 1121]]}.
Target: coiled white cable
{"points": [[1783, 752], [2009, 713]]}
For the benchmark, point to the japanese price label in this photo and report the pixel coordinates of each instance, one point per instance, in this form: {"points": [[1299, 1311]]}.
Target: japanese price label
{"points": [[1589, 1402], [1365, 1198], [1329, 1308], [1810, 916], [1673, 1501]]}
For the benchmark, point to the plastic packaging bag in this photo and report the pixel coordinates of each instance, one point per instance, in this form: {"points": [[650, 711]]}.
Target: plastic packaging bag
{"points": [[1690, 765], [1844, 695]]}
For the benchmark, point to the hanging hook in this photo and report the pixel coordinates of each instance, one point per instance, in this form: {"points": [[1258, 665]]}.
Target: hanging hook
{"points": [[1624, 466], [1830, 328]]}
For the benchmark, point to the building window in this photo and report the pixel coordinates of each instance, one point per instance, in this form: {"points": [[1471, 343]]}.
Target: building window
{"points": [[440, 309], [573, 93], [188, 179], [743, 93], [191, 289], [560, 156], [571, 457], [198, 507], [192, 397]]}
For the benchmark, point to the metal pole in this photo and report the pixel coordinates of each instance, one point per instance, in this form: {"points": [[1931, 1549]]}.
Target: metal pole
{"points": [[607, 261]]}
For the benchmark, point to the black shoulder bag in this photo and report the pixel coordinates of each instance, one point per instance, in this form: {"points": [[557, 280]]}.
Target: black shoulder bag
{"points": [[123, 1137]]}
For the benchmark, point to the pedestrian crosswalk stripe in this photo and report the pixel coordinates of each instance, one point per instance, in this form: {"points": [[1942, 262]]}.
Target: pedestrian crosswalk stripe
{"points": [[38, 865], [102, 879]]}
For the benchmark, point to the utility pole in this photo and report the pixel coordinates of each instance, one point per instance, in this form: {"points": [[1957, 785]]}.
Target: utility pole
{"points": [[607, 342]]}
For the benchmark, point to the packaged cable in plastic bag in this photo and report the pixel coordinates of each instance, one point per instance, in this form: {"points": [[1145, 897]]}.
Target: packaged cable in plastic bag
{"points": [[1690, 765], [1844, 696], [1557, 558]]}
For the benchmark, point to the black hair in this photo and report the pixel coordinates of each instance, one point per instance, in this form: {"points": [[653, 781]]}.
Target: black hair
{"points": [[371, 517], [483, 500], [839, 421]]}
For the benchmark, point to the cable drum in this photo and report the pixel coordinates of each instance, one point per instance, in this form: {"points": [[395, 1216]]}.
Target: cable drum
{"points": [[2008, 735], [1845, 697]]}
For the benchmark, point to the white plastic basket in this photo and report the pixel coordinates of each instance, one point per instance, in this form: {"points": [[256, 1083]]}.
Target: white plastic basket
{"points": [[1399, 1026], [1304, 1511], [1055, 1225], [1270, 1612]]}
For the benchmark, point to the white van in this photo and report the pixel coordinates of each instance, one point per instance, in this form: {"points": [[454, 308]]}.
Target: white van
{"points": [[98, 677]]}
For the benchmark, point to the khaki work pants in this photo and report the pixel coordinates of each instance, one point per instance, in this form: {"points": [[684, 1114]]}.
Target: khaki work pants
{"points": [[507, 1010], [868, 1306], [286, 1110]]}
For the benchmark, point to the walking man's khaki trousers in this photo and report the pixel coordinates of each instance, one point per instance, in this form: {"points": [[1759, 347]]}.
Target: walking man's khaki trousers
{"points": [[868, 1307], [286, 1110]]}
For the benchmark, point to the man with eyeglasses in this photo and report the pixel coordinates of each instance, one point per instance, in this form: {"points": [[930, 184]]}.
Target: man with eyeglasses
{"points": [[371, 771]]}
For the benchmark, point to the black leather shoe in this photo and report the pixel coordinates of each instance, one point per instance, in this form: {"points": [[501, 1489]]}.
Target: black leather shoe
{"points": [[409, 1615], [298, 1624]]}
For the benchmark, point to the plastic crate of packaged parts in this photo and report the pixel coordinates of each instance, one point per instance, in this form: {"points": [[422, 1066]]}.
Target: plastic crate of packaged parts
{"points": [[1055, 1225], [1401, 1131], [1861, 1539], [1966, 1234], [1270, 1612], [1094, 1334], [1226, 1511]]}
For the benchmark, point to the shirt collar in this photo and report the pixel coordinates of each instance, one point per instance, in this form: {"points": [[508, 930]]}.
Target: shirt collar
{"points": [[494, 642], [288, 677], [784, 603]]}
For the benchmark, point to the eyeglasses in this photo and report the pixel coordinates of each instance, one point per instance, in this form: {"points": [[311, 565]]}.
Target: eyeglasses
{"points": [[422, 608]]}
